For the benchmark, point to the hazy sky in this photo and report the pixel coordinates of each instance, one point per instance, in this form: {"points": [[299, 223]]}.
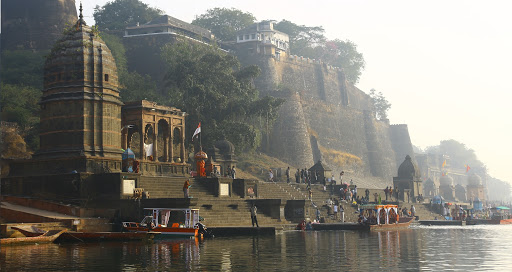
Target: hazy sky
{"points": [[443, 65]]}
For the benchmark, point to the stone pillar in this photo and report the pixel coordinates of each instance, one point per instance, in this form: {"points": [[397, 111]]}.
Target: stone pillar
{"points": [[182, 145], [124, 138], [142, 150], [155, 142], [166, 147]]}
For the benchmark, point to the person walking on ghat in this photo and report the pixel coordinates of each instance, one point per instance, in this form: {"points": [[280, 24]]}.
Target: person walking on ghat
{"points": [[186, 185], [254, 219]]}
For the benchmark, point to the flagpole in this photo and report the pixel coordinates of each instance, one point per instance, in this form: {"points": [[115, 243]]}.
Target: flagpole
{"points": [[200, 144]]}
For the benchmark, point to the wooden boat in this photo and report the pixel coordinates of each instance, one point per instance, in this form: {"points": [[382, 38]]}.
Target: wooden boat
{"points": [[47, 237], [185, 222], [443, 222], [33, 232], [382, 218], [74, 236]]}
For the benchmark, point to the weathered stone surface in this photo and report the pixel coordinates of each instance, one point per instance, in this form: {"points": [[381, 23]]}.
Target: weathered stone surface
{"points": [[80, 105], [35, 24]]}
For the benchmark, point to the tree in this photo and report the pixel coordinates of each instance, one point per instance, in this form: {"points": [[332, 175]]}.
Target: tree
{"points": [[310, 41], [459, 155], [212, 88], [344, 54], [380, 104], [133, 86], [224, 23], [303, 39], [23, 66], [118, 14]]}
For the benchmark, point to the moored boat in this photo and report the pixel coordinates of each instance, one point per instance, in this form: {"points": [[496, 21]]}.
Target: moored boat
{"points": [[76, 236], [47, 237], [170, 222], [382, 218], [73, 236]]}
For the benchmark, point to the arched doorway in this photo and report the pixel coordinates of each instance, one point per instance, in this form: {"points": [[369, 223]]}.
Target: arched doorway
{"points": [[176, 145], [133, 140], [149, 136], [162, 140]]}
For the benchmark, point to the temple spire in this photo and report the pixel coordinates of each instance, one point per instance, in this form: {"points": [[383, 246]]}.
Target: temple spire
{"points": [[81, 16], [80, 21]]}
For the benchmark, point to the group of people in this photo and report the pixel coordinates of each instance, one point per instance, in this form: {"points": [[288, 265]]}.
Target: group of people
{"points": [[308, 177], [391, 193], [230, 172], [407, 212], [335, 208], [347, 194]]}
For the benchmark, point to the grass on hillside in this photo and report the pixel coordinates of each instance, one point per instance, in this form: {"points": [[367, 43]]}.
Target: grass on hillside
{"points": [[256, 165]]}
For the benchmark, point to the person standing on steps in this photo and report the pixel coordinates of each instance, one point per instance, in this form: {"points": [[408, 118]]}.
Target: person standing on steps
{"points": [[233, 173], [342, 214], [186, 185], [254, 214]]}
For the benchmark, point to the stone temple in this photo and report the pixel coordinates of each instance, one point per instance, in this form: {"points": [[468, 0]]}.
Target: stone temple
{"points": [[85, 127]]}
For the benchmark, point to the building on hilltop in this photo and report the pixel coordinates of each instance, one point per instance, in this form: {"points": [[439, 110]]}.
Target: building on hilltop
{"points": [[262, 38], [167, 25]]}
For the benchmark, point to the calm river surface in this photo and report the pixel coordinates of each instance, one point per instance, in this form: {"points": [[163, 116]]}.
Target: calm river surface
{"points": [[472, 248]]}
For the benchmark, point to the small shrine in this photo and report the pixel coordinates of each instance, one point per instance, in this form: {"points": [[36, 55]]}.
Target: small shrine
{"points": [[460, 193], [475, 188], [322, 171], [222, 158], [429, 188], [408, 180], [446, 188]]}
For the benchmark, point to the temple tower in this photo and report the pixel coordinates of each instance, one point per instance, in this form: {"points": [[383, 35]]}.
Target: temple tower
{"points": [[80, 105]]}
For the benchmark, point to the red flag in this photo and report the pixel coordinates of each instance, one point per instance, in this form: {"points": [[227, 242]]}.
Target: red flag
{"points": [[467, 168], [198, 130]]}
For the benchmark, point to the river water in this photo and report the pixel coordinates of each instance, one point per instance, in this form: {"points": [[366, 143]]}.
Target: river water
{"points": [[469, 248]]}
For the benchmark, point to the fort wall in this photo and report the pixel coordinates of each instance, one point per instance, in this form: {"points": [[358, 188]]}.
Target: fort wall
{"points": [[338, 124]]}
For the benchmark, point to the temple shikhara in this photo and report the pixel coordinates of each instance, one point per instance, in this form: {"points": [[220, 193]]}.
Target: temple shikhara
{"points": [[85, 129]]}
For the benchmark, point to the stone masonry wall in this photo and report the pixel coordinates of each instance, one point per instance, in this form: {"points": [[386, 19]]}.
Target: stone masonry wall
{"points": [[337, 118]]}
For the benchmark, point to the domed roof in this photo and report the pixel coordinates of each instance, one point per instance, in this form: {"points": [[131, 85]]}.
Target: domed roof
{"points": [[225, 147], [80, 58], [408, 169], [474, 180], [446, 180]]}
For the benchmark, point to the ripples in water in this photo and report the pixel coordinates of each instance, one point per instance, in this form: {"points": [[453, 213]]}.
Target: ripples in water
{"points": [[435, 248]]}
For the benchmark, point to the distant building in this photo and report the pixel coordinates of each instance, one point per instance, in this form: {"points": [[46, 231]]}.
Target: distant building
{"points": [[475, 189], [168, 25], [408, 181], [262, 38]]}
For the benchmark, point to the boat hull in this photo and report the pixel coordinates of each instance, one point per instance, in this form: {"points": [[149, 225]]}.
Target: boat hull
{"points": [[47, 237], [167, 231], [105, 236]]}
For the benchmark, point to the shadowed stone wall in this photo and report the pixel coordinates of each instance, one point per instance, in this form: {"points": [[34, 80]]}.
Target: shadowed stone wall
{"points": [[35, 24]]}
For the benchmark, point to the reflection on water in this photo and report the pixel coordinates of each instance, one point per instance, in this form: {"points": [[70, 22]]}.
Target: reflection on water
{"points": [[418, 249]]}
